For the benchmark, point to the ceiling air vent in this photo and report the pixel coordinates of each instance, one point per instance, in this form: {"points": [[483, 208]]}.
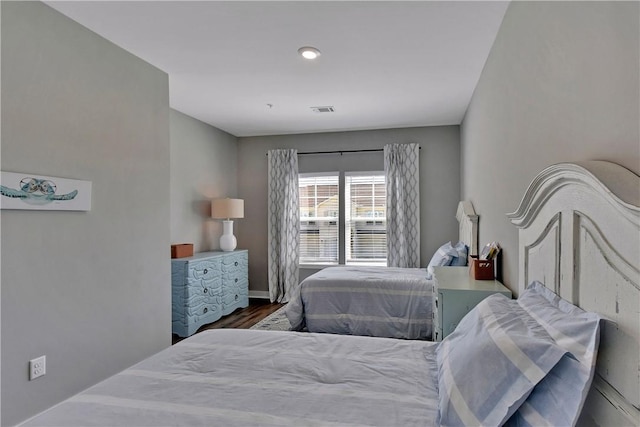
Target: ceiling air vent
{"points": [[328, 109]]}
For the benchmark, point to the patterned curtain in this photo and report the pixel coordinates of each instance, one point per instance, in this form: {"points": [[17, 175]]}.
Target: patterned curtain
{"points": [[403, 204], [283, 224]]}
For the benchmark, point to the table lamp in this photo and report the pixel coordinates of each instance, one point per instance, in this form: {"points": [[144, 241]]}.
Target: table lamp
{"points": [[227, 209]]}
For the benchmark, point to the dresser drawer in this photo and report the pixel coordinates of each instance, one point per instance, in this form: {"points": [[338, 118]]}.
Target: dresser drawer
{"points": [[235, 263], [235, 292], [189, 322], [195, 289], [205, 270], [234, 280], [195, 295], [207, 308]]}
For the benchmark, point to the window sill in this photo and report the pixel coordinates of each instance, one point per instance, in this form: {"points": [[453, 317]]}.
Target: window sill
{"points": [[351, 264], [316, 266], [368, 264]]}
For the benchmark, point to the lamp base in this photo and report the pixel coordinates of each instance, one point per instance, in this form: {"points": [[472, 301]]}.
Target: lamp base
{"points": [[228, 241]]}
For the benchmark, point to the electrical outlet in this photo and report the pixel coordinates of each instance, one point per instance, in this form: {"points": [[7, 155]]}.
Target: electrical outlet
{"points": [[37, 367]]}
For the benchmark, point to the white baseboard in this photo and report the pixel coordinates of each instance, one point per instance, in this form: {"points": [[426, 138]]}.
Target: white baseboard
{"points": [[259, 294]]}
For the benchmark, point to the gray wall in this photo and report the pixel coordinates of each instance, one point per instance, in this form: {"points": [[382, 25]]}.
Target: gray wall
{"points": [[439, 182], [561, 84], [203, 167], [90, 290]]}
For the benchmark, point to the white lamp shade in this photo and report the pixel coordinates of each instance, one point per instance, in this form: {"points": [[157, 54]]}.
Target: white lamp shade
{"points": [[227, 208]]}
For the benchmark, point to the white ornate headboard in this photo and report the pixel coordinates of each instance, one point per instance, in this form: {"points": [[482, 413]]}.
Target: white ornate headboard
{"points": [[579, 234], [468, 226]]}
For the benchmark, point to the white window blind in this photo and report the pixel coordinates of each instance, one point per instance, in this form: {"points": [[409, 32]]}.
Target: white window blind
{"points": [[319, 214], [365, 219]]}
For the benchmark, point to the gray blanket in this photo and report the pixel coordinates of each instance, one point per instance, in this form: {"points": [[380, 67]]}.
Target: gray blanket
{"points": [[248, 378], [372, 301]]}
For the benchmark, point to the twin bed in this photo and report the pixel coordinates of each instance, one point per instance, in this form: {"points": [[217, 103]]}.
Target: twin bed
{"points": [[373, 301], [579, 238]]}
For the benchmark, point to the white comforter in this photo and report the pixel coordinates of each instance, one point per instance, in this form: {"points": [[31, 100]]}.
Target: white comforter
{"points": [[249, 377], [372, 301]]}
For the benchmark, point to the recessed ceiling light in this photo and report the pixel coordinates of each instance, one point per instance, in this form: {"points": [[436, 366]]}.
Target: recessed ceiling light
{"points": [[309, 52]]}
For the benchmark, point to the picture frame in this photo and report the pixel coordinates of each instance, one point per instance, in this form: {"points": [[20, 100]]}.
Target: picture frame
{"points": [[28, 191]]}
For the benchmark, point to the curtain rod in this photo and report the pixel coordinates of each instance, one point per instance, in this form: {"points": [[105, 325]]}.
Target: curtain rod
{"points": [[371, 150]]}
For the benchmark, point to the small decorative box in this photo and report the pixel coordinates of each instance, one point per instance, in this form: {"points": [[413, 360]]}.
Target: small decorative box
{"points": [[182, 250]]}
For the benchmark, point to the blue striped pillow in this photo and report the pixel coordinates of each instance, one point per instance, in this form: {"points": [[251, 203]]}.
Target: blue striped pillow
{"points": [[443, 257], [577, 332], [488, 366], [462, 254]]}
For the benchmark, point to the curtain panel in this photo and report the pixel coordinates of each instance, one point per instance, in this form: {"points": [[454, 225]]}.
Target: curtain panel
{"points": [[401, 168], [283, 223]]}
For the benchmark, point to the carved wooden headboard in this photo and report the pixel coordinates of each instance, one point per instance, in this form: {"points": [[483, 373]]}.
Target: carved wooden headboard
{"points": [[468, 226], [579, 234]]}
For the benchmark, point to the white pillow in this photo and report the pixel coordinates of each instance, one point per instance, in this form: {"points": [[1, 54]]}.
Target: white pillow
{"points": [[490, 363], [577, 332], [443, 256]]}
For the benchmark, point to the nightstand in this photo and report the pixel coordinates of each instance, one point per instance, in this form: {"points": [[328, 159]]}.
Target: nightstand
{"points": [[455, 293]]}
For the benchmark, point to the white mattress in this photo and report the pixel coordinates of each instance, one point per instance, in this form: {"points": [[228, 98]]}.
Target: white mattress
{"points": [[248, 377]]}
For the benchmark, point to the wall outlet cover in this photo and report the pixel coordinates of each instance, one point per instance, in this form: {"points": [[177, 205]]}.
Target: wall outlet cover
{"points": [[37, 367]]}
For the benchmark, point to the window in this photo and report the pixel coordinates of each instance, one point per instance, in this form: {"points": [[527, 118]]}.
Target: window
{"points": [[319, 213], [363, 218]]}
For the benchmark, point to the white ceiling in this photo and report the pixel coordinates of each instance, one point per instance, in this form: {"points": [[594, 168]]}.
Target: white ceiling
{"points": [[383, 64]]}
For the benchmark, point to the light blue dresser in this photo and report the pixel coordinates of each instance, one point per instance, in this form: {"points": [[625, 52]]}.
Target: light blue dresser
{"points": [[206, 287]]}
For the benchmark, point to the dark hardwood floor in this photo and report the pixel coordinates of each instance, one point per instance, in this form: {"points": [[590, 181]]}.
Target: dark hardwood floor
{"points": [[243, 318]]}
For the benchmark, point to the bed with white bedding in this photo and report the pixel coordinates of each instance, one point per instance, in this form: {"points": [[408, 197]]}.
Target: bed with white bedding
{"points": [[506, 362], [370, 301], [376, 301], [247, 377], [479, 375]]}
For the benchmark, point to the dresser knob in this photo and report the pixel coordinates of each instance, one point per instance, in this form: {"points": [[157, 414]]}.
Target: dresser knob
{"points": [[205, 310], [236, 263], [205, 290], [205, 271], [236, 280]]}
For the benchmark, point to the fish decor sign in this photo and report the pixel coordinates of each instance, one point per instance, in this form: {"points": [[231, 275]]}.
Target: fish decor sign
{"points": [[27, 191]]}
